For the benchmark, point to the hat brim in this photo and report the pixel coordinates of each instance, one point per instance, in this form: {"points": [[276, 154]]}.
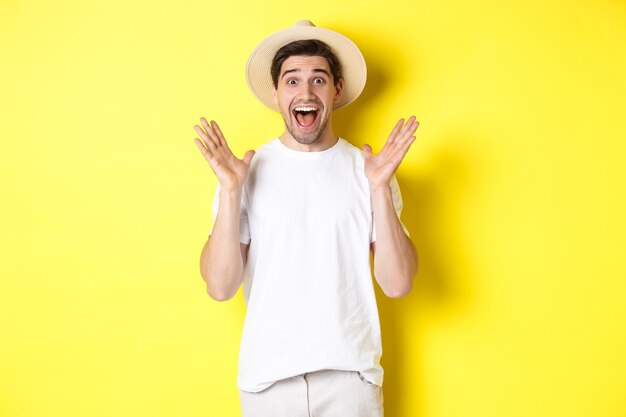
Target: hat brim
{"points": [[258, 67]]}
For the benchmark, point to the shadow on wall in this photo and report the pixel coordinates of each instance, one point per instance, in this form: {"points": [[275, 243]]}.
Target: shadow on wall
{"points": [[433, 214], [377, 82]]}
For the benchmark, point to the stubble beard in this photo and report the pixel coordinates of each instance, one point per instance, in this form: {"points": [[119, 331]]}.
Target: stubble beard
{"points": [[305, 138]]}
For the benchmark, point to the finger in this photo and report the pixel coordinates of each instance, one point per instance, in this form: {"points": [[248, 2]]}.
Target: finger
{"points": [[201, 132], [367, 149], [205, 125], [407, 131], [394, 132], [205, 151], [219, 133], [414, 126], [247, 158], [409, 127], [212, 137], [403, 150], [205, 136], [200, 144]]}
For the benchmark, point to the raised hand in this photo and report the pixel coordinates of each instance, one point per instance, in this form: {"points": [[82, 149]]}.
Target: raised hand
{"points": [[231, 172], [380, 168]]}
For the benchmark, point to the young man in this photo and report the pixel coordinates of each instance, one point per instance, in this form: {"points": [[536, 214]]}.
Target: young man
{"points": [[295, 223]]}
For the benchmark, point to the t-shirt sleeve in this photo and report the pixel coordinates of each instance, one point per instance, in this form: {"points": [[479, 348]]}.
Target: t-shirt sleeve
{"points": [[396, 197], [244, 228]]}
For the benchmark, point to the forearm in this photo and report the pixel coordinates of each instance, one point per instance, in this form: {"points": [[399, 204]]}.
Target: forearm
{"points": [[395, 257], [221, 262]]}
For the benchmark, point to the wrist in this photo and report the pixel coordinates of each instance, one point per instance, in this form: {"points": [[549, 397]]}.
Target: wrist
{"points": [[230, 192], [380, 189]]}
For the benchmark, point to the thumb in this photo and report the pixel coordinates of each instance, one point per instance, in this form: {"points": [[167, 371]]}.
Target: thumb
{"points": [[368, 150], [248, 157]]}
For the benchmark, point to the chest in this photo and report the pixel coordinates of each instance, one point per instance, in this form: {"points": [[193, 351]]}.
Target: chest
{"points": [[289, 194]]}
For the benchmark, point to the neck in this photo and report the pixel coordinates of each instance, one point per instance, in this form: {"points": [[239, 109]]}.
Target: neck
{"points": [[325, 141]]}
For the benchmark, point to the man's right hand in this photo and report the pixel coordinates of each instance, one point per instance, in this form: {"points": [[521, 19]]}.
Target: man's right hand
{"points": [[231, 172]]}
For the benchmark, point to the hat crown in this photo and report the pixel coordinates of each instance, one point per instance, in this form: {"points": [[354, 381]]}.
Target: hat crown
{"points": [[258, 67], [304, 23]]}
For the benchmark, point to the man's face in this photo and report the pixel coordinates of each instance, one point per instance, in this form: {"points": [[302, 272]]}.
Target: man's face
{"points": [[305, 96]]}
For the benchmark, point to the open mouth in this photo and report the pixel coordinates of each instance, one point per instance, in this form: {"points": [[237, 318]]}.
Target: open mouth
{"points": [[305, 115]]}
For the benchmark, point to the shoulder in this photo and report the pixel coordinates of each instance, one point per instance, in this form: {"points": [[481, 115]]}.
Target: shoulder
{"points": [[268, 147], [351, 153], [265, 151], [350, 149]]}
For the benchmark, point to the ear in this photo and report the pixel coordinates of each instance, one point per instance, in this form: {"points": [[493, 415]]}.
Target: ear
{"points": [[275, 96], [338, 90]]}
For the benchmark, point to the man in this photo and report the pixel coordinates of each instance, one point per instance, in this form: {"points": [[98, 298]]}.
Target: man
{"points": [[295, 224]]}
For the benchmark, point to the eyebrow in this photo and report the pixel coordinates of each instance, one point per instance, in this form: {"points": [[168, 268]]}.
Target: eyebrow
{"points": [[315, 70]]}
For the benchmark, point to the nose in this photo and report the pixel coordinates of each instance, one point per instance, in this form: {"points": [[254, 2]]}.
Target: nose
{"points": [[306, 91]]}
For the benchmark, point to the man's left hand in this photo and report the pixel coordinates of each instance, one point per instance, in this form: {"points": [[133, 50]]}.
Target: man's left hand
{"points": [[380, 168]]}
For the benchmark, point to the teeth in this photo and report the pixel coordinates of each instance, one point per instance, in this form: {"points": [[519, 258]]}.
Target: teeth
{"points": [[305, 109]]}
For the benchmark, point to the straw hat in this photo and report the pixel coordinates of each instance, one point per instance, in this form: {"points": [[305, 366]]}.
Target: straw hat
{"points": [[259, 64]]}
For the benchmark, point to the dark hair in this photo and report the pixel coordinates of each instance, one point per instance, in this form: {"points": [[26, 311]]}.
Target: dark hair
{"points": [[306, 47]]}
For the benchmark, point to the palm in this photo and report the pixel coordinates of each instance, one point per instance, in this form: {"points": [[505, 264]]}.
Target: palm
{"points": [[231, 172], [380, 168]]}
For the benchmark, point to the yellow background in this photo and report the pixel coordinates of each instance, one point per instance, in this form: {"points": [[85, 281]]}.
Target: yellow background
{"points": [[514, 195]]}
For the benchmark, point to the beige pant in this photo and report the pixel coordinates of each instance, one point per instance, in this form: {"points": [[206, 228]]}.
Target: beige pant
{"points": [[327, 393]]}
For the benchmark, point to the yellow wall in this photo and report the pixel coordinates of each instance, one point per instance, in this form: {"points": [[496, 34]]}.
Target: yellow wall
{"points": [[514, 194]]}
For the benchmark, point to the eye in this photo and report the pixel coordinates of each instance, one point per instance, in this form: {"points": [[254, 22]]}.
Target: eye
{"points": [[291, 82], [318, 81]]}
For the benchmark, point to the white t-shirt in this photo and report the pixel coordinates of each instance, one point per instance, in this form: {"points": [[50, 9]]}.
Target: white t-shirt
{"points": [[308, 288]]}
